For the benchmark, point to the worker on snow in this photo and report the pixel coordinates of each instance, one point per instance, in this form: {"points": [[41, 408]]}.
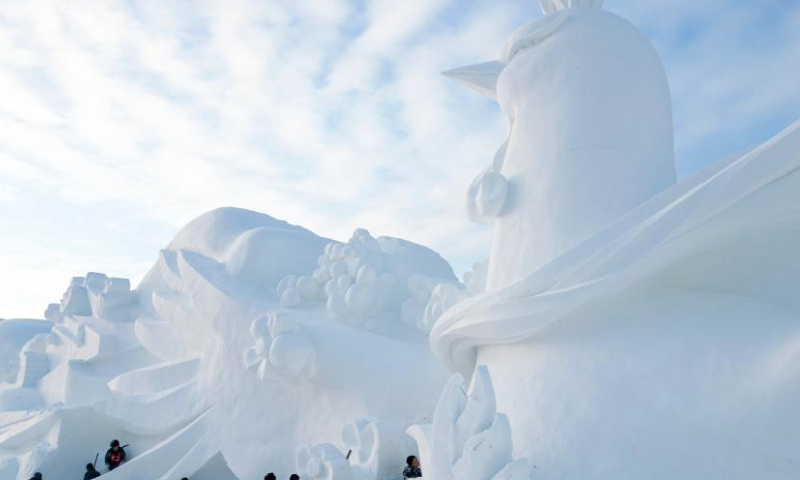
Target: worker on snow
{"points": [[412, 469], [115, 455], [91, 472]]}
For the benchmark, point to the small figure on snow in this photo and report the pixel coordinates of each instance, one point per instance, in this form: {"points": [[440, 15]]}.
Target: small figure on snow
{"points": [[36, 476], [412, 469], [91, 472], [115, 455], [270, 476]]}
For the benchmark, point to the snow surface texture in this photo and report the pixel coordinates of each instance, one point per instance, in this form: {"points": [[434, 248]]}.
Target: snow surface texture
{"points": [[624, 326]]}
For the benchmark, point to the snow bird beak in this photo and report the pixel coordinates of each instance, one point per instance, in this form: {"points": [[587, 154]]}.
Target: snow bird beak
{"points": [[481, 77]]}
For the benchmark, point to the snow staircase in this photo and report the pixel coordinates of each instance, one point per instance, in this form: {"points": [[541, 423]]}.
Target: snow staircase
{"points": [[34, 366]]}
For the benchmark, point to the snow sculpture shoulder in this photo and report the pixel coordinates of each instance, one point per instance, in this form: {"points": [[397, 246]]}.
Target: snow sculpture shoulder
{"points": [[590, 134]]}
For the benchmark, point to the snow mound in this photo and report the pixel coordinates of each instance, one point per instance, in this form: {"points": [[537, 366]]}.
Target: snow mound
{"points": [[254, 247]]}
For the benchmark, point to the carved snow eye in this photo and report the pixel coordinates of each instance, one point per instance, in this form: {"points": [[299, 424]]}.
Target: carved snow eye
{"points": [[532, 35]]}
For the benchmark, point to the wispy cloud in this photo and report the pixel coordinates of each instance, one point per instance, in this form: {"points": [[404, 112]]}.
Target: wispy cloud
{"points": [[123, 120]]}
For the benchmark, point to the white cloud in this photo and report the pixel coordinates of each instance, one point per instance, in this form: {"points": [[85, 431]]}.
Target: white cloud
{"points": [[328, 113]]}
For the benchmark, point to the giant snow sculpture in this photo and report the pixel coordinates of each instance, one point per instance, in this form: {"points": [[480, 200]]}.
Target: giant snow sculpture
{"points": [[633, 327], [204, 371], [625, 326]]}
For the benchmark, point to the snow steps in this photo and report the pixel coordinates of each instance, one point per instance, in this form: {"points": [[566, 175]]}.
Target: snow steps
{"points": [[34, 366]]}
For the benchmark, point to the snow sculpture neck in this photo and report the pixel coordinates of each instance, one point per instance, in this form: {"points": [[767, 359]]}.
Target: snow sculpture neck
{"points": [[590, 137]]}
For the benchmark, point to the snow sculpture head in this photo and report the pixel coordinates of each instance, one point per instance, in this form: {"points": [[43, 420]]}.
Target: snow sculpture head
{"points": [[590, 139]]}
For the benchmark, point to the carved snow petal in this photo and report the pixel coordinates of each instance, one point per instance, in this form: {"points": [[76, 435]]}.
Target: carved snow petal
{"points": [[479, 411], [486, 453], [451, 404]]}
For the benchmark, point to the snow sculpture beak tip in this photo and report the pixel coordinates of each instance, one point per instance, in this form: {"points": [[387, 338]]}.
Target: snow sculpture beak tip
{"points": [[481, 77]]}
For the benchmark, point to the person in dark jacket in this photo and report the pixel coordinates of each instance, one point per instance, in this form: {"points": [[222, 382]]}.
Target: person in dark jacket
{"points": [[91, 473], [270, 476], [36, 476], [294, 476], [412, 469], [115, 455]]}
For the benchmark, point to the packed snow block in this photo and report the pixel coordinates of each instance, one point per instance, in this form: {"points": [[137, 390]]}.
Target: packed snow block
{"points": [[113, 300], [35, 365], [117, 286], [53, 313], [14, 335], [96, 282], [265, 255], [76, 302], [72, 330], [38, 344]]}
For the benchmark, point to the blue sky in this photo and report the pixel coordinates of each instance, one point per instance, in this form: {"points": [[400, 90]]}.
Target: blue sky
{"points": [[121, 121]]}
